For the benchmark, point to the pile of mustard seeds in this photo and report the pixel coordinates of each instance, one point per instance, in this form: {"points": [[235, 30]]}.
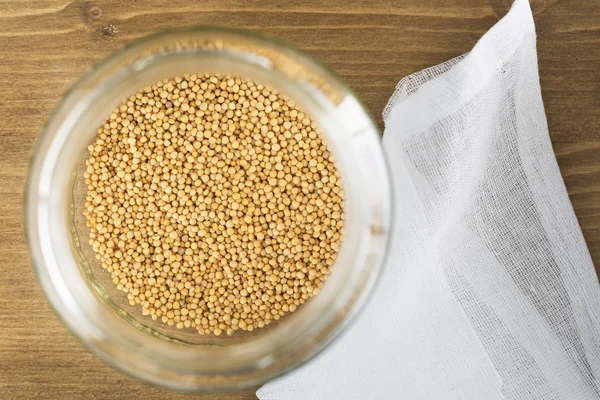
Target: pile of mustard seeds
{"points": [[214, 203]]}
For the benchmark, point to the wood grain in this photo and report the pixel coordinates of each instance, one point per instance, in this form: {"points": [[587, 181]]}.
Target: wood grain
{"points": [[46, 44]]}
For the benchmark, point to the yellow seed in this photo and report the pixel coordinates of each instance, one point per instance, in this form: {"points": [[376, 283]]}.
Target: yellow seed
{"points": [[213, 203]]}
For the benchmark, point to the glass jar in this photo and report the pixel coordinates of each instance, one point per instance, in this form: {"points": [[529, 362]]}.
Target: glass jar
{"points": [[81, 291]]}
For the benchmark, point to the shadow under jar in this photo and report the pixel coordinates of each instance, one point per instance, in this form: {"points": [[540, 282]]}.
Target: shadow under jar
{"points": [[82, 292]]}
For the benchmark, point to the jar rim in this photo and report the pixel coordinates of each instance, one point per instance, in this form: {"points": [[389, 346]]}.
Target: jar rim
{"points": [[68, 302]]}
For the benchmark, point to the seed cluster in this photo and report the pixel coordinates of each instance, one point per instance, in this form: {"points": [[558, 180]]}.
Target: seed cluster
{"points": [[214, 203]]}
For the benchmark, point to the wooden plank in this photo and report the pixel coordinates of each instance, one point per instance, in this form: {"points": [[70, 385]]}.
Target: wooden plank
{"points": [[46, 44]]}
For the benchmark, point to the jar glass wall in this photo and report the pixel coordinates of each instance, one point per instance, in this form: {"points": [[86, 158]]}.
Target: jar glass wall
{"points": [[82, 292]]}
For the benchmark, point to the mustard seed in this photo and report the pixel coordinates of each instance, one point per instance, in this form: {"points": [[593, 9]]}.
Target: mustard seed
{"points": [[214, 203]]}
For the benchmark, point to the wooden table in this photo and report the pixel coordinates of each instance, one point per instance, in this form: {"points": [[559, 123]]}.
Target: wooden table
{"points": [[46, 44]]}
